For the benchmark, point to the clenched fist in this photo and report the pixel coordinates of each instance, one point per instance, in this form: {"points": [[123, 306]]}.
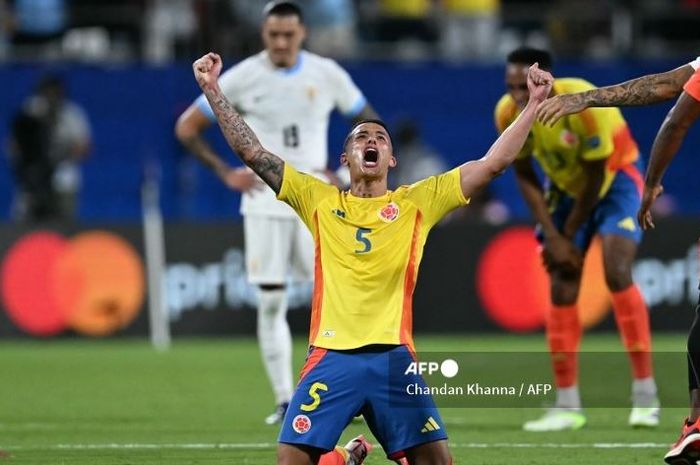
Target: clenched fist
{"points": [[539, 83], [207, 70]]}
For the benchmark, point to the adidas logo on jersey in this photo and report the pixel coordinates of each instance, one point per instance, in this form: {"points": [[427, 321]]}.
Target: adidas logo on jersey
{"points": [[628, 224], [430, 425], [338, 213]]}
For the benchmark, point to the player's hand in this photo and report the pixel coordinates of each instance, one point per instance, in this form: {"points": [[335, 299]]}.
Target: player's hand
{"points": [[207, 70], [553, 109], [241, 180], [539, 83], [561, 253], [648, 198]]}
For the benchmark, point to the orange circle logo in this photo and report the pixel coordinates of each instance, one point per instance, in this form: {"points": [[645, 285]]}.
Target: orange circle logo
{"points": [[513, 285], [93, 283]]}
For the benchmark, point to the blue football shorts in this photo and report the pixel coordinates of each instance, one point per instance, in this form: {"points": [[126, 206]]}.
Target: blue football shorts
{"points": [[615, 213], [336, 386]]}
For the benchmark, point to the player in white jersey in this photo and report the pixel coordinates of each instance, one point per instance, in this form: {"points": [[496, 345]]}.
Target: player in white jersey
{"points": [[286, 95]]}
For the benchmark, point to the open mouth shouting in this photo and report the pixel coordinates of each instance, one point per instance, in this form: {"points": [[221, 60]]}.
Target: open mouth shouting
{"points": [[370, 157]]}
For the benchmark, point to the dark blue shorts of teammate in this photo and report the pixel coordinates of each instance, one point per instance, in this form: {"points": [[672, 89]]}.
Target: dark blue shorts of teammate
{"points": [[615, 213], [336, 385]]}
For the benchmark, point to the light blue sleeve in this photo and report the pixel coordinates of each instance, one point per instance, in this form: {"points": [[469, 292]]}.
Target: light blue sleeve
{"points": [[203, 106], [349, 100], [357, 107]]}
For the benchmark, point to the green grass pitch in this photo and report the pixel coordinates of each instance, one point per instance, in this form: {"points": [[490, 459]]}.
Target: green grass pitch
{"points": [[119, 402]]}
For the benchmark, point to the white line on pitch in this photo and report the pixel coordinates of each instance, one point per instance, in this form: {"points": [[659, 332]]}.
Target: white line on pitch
{"points": [[270, 445]]}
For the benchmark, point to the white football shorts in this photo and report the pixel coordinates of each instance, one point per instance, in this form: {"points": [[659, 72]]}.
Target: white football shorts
{"points": [[276, 249]]}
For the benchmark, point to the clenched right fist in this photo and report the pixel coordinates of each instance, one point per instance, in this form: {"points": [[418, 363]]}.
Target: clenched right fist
{"points": [[207, 70]]}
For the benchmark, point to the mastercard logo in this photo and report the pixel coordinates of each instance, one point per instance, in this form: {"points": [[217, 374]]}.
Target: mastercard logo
{"points": [[513, 285], [92, 283]]}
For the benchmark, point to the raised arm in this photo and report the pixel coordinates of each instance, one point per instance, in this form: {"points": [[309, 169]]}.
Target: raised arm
{"points": [[367, 112], [475, 175], [238, 134], [645, 90], [667, 143]]}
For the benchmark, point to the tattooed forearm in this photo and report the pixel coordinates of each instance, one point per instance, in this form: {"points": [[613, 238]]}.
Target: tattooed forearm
{"points": [[645, 90], [244, 142], [270, 168], [238, 134]]}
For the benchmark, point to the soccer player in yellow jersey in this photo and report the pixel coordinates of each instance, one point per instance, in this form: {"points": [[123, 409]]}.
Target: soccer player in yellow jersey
{"points": [[369, 244], [647, 90], [593, 187]]}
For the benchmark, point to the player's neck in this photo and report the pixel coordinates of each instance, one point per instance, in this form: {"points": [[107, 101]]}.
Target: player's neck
{"points": [[368, 188], [285, 66]]}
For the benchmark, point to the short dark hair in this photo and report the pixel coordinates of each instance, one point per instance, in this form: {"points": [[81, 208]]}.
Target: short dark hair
{"points": [[529, 56], [283, 8], [365, 121]]}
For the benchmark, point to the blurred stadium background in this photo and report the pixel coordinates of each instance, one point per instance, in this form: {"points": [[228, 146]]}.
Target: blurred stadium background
{"points": [[112, 270]]}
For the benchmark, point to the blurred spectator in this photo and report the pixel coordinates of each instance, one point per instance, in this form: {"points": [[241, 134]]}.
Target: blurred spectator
{"points": [[37, 27], [108, 30], [331, 27], [416, 159], [470, 29], [49, 136], [408, 25], [484, 208], [5, 29], [246, 23], [169, 28], [581, 28]]}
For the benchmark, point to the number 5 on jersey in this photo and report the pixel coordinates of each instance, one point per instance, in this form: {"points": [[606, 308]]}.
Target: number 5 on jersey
{"points": [[360, 237], [313, 392]]}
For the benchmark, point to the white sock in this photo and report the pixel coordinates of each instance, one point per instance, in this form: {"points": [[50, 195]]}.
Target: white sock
{"points": [[568, 398], [275, 342], [644, 392]]}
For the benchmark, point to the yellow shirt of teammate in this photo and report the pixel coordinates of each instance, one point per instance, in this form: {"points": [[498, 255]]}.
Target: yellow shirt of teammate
{"points": [[367, 255], [593, 134]]}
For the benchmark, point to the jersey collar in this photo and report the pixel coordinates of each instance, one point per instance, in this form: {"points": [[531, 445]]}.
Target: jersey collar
{"points": [[287, 71], [381, 198]]}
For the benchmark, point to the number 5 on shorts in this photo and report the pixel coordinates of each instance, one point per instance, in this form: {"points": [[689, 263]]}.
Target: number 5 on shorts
{"points": [[315, 396]]}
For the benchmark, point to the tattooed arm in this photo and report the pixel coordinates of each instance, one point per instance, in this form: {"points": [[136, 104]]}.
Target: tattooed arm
{"points": [[238, 134], [645, 90], [476, 174]]}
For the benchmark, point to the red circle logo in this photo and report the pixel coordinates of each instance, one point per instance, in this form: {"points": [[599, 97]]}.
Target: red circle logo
{"points": [[92, 283], [389, 213], [513, 285], [301, 424]]}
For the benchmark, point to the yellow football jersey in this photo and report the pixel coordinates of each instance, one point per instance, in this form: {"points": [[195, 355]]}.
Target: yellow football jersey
{"points": [[593, 134], [367, 255]]}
